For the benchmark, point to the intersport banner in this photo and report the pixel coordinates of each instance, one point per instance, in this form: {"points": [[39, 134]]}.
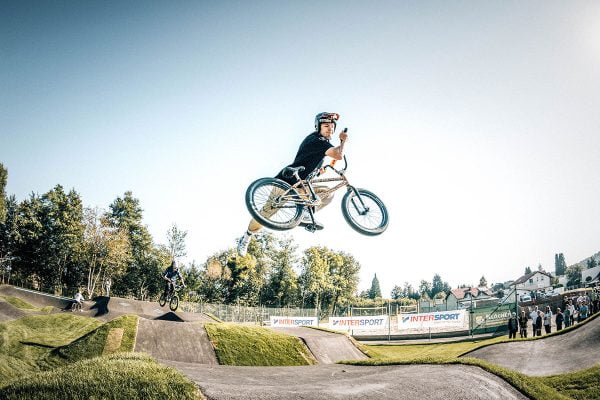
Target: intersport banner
{"points": [[293, 321], [440, 319], [358, 323]]}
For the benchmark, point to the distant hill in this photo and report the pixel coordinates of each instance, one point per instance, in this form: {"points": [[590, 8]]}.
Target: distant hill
{"points": [[583, 263]]}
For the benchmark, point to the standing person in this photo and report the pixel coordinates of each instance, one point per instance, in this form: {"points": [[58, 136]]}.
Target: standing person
{"points": [[513, 326], [567, 317], [533, 315], [538, 323], [311, 153], [559, 319], [547, 320], [79, 299], [571, 308], [523, 325], [583, 311], [170, 276]]}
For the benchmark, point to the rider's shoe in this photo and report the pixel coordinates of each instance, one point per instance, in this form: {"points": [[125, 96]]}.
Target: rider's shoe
{"points": [[311, 227], [242, 248]]}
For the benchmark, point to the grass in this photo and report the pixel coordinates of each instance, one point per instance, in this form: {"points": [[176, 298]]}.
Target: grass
{"points": [[254, 346], [130, 376], [23, 305], [94, 343], [584, 385]]}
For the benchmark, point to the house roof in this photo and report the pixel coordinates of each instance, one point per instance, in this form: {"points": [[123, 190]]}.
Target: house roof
{"points": [[526, 277], [475, 292]]}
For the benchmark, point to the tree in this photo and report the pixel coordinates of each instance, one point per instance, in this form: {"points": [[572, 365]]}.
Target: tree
{"points": [[560, 266], [482, 282], [8, 238], [106, 249], [592, 263], [438, 286], [396, 293], [375, 291], [3, 180], [142, 276], [425, 289], [282, 285], [527, 270], [176, 242], [573, 274]]}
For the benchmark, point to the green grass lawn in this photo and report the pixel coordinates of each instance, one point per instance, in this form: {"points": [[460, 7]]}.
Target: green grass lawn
{"points": [[254, 346], [127, 376], [23, 305], [26, 342], [584, 385]]}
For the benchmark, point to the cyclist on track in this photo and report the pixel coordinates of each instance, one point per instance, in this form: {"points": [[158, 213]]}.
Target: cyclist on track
{"points": [[170, 276], [311, 153]]}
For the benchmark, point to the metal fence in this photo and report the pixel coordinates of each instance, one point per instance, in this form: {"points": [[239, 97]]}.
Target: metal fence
{"points": [[244, 314]]}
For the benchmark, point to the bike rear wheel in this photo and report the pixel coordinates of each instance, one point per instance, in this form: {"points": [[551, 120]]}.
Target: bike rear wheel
{"points": [[272, 202], [162, 300], [365, 212], [174, 303]]}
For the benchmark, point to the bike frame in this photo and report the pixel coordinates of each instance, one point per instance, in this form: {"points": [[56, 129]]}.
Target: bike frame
{"points": [[307, 196]]}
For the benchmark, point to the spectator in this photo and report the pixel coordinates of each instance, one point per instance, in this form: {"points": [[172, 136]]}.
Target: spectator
{"points": [[513, 325], [571, 308], [523, 324], [583, 312], [538, 323], [559, 319], [547, 320], [533, 315], [567, 318]]}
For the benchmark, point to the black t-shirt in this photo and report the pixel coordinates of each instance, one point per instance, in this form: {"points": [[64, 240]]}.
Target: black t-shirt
{"points": [[310, 156]]}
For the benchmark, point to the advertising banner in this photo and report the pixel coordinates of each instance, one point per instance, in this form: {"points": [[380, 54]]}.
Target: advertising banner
{"points": [[373, 322], [293, 321], [440, 319]]}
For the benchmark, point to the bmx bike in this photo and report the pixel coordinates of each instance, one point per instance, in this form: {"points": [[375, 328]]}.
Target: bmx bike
{"points": [[172, 297], [278, 205], [76, 306]]}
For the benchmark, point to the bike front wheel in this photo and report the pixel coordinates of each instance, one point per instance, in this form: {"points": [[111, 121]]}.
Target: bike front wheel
{"points": [[365, 212], [174, 303], [274, 204], [163, 300]]}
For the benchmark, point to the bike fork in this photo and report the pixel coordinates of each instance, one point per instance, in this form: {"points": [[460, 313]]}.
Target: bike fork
{"points": [[365, 209]]}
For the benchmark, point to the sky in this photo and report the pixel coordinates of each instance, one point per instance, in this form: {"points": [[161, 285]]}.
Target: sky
{"points": [[475, 122]]}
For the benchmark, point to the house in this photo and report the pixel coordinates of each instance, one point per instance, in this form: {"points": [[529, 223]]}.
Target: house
{"points": [[462, 297], [590, 276], [535, 281]]}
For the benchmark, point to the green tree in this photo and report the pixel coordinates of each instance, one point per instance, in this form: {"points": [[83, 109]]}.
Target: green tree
{"points": [[482, 282], [142, 276], [425, 289], [282, 285], [438, 286], [560, 266], [397, 293], [8, 238], [3, 180], [314, 278], [176, 242], [573, 274], [527, 270], [591, 263], [375, 291]]}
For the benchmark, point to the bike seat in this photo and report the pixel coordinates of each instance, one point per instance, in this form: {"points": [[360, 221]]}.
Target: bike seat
{"points": [[291, 171]]}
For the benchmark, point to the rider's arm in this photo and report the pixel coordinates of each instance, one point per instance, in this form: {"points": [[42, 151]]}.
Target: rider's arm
{"points": [[182, 281], [338, 152]]}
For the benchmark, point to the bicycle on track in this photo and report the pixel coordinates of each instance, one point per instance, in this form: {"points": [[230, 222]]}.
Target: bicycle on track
{"points": [[280, 206], [172, 297]]}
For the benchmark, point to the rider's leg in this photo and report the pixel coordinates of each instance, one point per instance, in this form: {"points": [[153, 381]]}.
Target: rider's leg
{"points": [[254, 226], [325, 200]]}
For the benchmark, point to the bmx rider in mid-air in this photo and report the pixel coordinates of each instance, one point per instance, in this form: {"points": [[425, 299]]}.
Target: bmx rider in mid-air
{"points": [[170, 276], [311, 153]]}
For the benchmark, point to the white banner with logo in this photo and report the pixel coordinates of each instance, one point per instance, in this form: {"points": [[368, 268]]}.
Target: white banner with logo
{"points": [[440, 319], [359, 323], [293, 321]]}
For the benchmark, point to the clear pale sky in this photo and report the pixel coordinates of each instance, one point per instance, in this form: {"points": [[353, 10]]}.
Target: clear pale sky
{"points": [[476, 122]]}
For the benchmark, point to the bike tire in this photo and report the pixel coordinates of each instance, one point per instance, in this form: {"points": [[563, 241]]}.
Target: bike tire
{"points": [[162, 300], [258, 195], [174, 303], [372, 222]]}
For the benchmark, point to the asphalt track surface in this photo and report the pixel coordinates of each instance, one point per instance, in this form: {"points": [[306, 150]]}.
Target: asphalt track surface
{"points": [[335, 381], [559, 354], [175, 341], [326, 347]]}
